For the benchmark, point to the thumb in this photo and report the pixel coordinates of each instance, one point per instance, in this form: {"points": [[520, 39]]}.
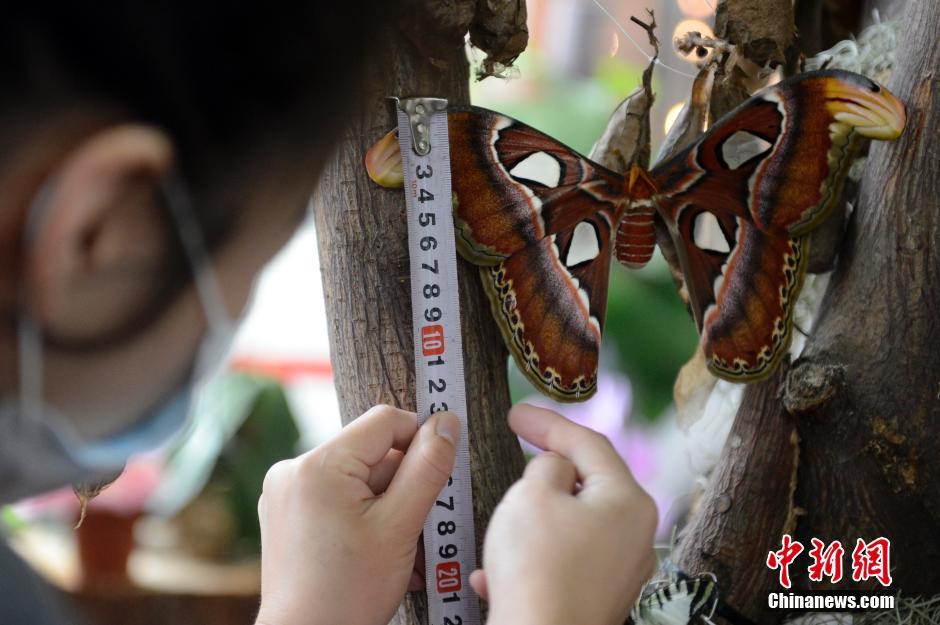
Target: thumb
{"points": [[424, 471], [478, 582]]}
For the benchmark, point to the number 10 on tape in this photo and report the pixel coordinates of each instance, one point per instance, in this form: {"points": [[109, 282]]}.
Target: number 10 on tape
{"points": [[449, 544]]}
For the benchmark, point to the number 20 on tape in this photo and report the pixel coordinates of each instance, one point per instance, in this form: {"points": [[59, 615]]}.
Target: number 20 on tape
{"points": [[448, 577]]}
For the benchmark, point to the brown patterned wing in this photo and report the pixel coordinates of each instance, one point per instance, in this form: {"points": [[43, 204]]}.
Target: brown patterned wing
{"points": [[514, 185], [742, 292], [739, 202], [549, 300], [781, 157], [539, 219]]}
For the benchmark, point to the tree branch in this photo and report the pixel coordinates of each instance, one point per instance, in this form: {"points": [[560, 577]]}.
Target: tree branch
{"points": [[863, 397]]}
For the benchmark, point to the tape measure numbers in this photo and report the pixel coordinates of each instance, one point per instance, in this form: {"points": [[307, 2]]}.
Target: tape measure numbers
{"points": [[449, 542]]}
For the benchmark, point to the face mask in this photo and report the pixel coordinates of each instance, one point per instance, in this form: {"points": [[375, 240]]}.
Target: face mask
{"points": [[40, 449]]}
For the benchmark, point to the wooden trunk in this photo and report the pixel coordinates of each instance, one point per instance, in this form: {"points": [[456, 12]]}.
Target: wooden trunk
{"points": [[362, 236], [845, 444]]}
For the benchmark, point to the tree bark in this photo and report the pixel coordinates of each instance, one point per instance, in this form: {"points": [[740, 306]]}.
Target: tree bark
{"points": [[362, 238], [871, 451], [848, 446]]}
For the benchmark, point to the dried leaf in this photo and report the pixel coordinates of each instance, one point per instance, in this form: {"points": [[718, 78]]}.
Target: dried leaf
{"points": [[626, 139], [499, 29], [692, 389], [690, 124]]}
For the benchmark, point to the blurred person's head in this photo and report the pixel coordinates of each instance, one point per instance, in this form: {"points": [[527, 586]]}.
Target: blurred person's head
{"points": [[122, 129]]}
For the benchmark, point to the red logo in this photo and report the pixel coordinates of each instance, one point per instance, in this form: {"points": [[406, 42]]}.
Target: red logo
{"points": [[783, 558], [448, 577], [872, 560], [869, 560], [432, 340], [826, 562]]}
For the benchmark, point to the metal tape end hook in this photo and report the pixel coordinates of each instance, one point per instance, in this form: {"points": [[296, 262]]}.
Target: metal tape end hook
{"points": [[419, 111]]}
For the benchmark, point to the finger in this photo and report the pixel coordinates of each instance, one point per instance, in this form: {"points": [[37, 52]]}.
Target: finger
{"points": [[591, 453], [416, 583], [382, 472], [559, 473], [381, 428], [651, 565], [648, 565], [423, 472], [276, 477], [478, 583], [261, 509]]}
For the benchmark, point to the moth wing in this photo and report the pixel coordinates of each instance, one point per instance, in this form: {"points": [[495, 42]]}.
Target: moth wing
{"points": [[668, 606], [549, 300], [514, 185], [681, 602], [740, 201], [742, 284], [781, 157]]}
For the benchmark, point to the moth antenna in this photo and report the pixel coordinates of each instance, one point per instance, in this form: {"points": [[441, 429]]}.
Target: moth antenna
{"points": [[800, 330]]}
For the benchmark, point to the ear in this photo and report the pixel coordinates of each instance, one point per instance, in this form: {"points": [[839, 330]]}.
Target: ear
{"points": [[101, 238]]}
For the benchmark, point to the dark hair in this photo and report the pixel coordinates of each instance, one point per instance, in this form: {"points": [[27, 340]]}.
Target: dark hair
{"points": [[216, 76], [220, 78]]}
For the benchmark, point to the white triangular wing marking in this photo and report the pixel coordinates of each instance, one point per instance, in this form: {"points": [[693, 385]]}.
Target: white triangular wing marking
{"points": [[741, 147], [584, 245], [538, 167], [707, 234]]}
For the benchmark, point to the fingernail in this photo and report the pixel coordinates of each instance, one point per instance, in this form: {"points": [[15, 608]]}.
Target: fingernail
{"points": [[448, 426]]}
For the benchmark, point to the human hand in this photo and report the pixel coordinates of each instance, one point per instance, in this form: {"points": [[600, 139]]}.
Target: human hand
{"points": [[340, 524], [559, 554]]}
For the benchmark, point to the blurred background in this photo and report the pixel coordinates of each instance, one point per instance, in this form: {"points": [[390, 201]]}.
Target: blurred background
{"points": [[181, 523]]}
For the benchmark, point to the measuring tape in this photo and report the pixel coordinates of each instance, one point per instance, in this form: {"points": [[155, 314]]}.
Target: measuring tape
{"points": [[449, 542]]}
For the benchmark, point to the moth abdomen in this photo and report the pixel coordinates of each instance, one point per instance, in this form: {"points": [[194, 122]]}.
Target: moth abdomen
{"points": [[636, 235]]}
